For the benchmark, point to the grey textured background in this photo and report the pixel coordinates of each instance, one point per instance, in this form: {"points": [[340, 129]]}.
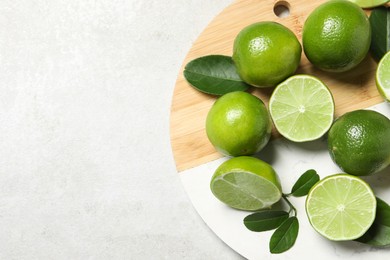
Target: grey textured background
{"points": [[86, 170]]}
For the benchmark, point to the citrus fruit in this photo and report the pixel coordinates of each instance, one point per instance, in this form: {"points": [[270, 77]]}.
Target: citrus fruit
{"points": [[359, 142], [302, 108], [266, 53], [246, 183], [369, 3], [383, 77], [238, 123], [336, 36], [341, 207]]}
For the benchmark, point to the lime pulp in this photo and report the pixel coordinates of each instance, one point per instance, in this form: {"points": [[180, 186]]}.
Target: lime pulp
{"points": [[246, 183], [341, 207], [383, 77], [302, 108]]}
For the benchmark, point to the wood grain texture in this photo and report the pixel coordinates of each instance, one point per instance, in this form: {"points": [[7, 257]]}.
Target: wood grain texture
{"points": [[352, 90]]}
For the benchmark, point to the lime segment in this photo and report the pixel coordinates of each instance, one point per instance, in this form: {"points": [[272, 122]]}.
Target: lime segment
{"points": [[302, 108], [369, 3], [383, 76], [246, 183], [341, 207]]}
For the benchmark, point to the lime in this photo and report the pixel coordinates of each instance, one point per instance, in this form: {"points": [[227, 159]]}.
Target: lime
{"points": [[359, 142], [246, 183], [238, 124], [266, 53], [383, 76], [341, 207], [336, 36], [369, 3], [302, 108]]}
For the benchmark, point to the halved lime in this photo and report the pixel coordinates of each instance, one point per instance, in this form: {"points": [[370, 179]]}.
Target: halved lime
{"points": [[302, 108], [246, 183], [383, 77], [341, 207], [369, 3]]}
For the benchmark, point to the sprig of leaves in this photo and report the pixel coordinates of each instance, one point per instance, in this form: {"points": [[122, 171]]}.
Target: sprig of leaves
{"points": [[285, 223]]}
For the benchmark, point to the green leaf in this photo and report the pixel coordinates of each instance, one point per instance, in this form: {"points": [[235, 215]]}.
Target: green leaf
{"points": [[284, 237], [380, 31], [265, 220], [304, 183], [214, 74], [379, 232]]}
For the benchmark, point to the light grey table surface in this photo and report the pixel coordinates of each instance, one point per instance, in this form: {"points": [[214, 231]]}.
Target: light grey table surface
{"points": [[86, 169]]}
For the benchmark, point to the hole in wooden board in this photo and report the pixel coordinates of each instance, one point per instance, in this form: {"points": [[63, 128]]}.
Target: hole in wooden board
{"points": [[282, 9]]}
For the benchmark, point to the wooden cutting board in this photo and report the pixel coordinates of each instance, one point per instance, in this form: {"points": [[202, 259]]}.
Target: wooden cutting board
{"points": [[352, 90]]}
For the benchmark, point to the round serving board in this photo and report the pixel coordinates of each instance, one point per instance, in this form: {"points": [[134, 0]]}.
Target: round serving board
{"points": [[196, 159], [352, 90]]}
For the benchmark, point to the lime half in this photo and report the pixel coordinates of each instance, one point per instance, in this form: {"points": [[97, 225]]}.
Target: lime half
{"points": [[302, 108], [383, 77], [246, 183], [341, 207], [369, 3]]}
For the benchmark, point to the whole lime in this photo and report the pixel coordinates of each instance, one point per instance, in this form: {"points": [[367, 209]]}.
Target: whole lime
{"points": [[246, 183], [266, 53], [359, 142], [238, 123], [336, 36]]}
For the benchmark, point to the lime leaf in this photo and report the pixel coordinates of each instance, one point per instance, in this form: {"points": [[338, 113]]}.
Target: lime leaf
{"points": [[304, 183], [379, 232], [265, 220], [214, 74], [284, 237], [380, 31]]}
